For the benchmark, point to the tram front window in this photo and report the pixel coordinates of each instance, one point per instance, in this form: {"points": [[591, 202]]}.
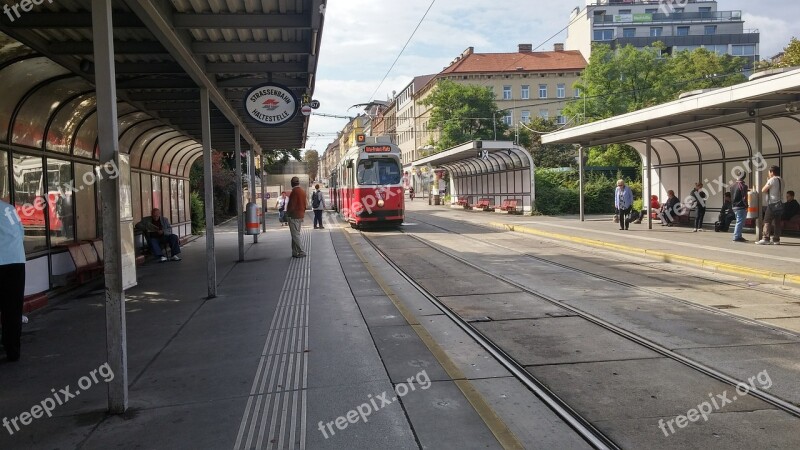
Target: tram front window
{"points": [[378, 172]]}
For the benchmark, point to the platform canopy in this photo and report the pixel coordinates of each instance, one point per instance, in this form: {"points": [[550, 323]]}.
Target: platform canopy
{"points": [[710, 126], [498, 170], [165, 51]]}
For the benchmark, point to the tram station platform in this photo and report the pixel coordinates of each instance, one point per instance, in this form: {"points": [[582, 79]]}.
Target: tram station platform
{"points": [[707, 250], [330, 351]]}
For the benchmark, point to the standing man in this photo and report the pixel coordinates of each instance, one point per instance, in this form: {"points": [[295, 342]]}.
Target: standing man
{"points": [[739, 206], [699, 199], [774, 213], [318, 205], [623, 201], [12, 279], [296, 210]]}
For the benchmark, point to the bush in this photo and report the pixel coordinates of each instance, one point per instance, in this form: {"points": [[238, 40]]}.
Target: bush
{"points": [[558, 192], [198, 213]]}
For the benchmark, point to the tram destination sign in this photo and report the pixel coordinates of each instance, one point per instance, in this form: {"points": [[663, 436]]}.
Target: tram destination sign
{"points": [[271, 104], [377, 149]]}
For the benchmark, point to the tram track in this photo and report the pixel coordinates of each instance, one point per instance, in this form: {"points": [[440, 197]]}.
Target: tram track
{"points": [[634, 286], [581, 425]]}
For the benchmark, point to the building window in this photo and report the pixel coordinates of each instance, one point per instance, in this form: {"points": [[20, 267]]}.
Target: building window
{"points": [[544, 114], [743, 50], [710, 30], [603, 35], [562, 90], [656, 31], [577, 92], [650, 11], [526, 116], [624, 11], [508, 119], [680, 48], [526, 92], [683, 31], [560, 119], [718, 49], [506, 92], [629, 32], [705, 9], [542, 91]]}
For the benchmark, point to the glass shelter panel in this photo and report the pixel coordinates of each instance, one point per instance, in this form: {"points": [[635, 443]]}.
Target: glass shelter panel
{"points": [[61, 225], [85, 207], [29, 200]]}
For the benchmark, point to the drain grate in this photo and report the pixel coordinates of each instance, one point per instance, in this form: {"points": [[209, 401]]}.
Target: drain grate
{"points": [[724, 306]]}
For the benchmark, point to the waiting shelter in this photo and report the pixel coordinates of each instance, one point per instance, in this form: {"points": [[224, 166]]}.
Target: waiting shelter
{"points": [[709, 136], [495, 170]]}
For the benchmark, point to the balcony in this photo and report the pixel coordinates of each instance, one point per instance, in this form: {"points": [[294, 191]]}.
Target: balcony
{"points": [[636, 2], [681, 17]]}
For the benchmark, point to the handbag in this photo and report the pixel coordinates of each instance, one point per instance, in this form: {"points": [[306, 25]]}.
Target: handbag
{"points": [[777, 208]]}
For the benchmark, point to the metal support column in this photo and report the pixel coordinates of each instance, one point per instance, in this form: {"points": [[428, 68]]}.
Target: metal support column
{"points": [[581, 177], [211, 259], [757, 181], [649, 180], [108, 140], [263, 196], [251, 170], [237, 149]]}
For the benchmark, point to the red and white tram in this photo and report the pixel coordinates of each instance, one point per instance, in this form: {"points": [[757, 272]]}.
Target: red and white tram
{"points": [[367, 184]]}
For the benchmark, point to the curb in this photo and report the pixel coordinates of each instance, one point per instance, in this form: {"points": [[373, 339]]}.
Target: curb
{"points": [[708, 264]]}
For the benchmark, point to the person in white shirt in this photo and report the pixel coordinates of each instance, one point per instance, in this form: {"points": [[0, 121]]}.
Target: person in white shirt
{"points": [[318, 205], [283, 201], [12, 278], [772, 220]]}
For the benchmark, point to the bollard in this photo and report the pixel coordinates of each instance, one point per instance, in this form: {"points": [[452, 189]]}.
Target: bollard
{"points": [[251, 224]]}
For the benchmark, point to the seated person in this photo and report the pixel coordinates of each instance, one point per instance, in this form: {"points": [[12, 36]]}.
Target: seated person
{"points": [[669, 209], [791, 210], [726, 215], [157, 230]]}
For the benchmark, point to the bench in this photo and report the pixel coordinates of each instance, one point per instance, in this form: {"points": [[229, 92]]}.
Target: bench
{"points": [[790, 225], [463, 201], [484, 204], [87, 263], [510, 206]]}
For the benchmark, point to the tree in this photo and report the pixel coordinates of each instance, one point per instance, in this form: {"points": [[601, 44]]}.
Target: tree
{"points": [[791, 55], [463, 113], [561, 155], [311, 158]]}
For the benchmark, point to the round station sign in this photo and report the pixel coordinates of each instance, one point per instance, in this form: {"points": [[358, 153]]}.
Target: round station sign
{"points": [[271, 104]]}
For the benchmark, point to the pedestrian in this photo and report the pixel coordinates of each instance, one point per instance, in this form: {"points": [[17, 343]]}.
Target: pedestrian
{"points": [[318, 205], [12, 279], [739, 206], [281, 205], [623, 201], [774, 212], [699, 200], [296, 210]]}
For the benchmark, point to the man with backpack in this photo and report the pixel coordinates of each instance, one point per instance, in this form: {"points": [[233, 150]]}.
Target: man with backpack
{"points": [[318, 205]]}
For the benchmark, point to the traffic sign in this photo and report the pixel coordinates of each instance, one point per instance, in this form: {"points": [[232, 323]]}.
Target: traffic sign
{"points": [[306, 110], [314, 104]]}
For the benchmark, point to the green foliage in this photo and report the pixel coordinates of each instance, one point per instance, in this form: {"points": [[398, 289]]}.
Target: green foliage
{"points": [[791, 55], [463, 113], [615, 155], [311, 157], [545, 155], [557, 192], [198, 213], [629, 79]]}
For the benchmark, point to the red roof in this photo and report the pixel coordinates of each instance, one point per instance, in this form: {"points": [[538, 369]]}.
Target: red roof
{"points": [[518, 62]]}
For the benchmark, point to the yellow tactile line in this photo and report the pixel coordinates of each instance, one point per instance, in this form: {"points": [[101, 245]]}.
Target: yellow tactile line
{"points": [[714, 266], [501, 432]]}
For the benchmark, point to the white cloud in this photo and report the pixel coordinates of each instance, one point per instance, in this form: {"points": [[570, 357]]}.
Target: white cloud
{"points": [[361, 39]]}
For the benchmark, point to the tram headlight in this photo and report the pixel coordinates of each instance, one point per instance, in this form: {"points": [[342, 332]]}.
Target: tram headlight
{"points": [[380, 203]]}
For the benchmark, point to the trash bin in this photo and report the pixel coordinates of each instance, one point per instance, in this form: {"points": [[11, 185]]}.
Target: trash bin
{"points": [[436, 199]]}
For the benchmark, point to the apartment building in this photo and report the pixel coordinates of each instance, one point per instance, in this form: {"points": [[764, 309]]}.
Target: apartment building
{"points": [[407, 109], [680, 25], [526, 84]]}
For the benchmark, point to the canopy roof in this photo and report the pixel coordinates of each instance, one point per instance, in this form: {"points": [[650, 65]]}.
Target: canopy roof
{"points": [[463, 159], [715, 125], [166, 50]]}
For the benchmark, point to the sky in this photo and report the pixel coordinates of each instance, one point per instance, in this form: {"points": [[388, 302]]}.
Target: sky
{"points": [[361, 39]]}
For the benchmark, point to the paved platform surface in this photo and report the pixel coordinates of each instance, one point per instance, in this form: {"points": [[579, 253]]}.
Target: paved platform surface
{"points": [[707, 249], [329, 351]]}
